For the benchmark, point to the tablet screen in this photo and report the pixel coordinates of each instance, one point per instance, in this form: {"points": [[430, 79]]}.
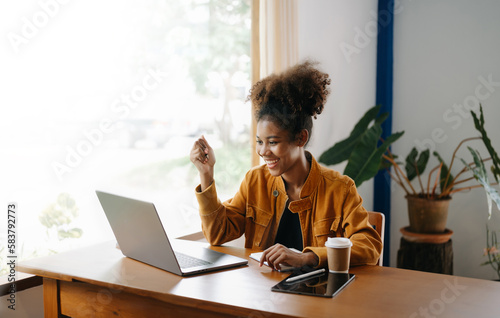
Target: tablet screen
{"points": [[325, 284]]}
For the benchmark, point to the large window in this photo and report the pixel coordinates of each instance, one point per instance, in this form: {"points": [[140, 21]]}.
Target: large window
{"points": [[111, 95]]}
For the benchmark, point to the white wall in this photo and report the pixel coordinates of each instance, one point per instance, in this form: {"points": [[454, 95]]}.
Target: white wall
{"points": [[442, 52], [325, 25]]}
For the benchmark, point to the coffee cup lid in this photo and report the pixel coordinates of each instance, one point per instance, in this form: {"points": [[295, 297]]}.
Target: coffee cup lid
{"points": [[338, 242]]}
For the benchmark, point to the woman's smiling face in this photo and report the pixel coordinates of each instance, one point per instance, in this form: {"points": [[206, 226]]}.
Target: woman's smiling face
{"points": [[275, 146]]}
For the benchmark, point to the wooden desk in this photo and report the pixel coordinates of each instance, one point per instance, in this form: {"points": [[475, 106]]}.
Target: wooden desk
{"points": [[99, 281]]}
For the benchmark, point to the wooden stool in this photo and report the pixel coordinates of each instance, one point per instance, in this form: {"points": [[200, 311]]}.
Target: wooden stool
{"points": [[426, 252]]}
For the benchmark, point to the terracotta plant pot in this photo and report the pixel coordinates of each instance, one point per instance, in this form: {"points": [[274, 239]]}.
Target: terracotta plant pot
{"points": [[426, 215]]}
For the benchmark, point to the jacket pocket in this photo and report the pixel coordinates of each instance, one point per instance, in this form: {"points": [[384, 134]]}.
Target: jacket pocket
{"points": [[257, 222], [325, 228]]}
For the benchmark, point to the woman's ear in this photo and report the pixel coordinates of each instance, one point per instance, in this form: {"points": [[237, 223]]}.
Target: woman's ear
{"points": [[302, 138]]}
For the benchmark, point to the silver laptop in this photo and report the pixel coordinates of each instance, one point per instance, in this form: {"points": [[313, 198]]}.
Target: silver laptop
{"points": [[141, 236]]}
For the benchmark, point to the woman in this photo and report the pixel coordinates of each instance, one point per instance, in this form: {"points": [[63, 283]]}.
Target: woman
{"points": [[290, 201]]}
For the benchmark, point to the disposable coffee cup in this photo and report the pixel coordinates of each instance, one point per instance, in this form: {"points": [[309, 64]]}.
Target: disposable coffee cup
{"points": [[339, 254]]}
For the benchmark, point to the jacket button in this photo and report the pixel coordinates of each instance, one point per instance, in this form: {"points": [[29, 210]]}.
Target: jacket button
{"points": [[275, 193]]}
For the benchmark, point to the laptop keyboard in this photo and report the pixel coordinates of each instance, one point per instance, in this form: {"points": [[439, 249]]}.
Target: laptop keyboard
{"points": [[186, 261]]}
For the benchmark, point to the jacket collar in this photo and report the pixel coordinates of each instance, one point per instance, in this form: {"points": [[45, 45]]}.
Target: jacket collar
{"points": [[313, 177], [308, 188]]}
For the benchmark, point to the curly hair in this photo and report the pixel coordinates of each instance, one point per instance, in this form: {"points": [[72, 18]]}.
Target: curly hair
{"points": [[292, 98]]}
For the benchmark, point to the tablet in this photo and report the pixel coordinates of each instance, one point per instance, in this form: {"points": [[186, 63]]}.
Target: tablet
{"points": [[324, 284]]}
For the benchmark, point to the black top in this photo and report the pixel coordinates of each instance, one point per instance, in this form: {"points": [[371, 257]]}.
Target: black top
{"points": [[289, 231]]}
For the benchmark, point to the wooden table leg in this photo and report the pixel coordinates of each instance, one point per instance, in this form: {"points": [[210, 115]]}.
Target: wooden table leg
{"points": [[51, 298]]}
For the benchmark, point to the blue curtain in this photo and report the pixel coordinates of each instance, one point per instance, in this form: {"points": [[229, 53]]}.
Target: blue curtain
{"points": [[382, 181]]}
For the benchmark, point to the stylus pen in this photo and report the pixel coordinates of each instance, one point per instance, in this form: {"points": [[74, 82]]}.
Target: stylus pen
{"points": [[292, 279]]}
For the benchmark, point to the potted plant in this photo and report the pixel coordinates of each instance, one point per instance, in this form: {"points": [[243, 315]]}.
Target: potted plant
{"points": [[481, 175], [427, 206], [478, 167]]}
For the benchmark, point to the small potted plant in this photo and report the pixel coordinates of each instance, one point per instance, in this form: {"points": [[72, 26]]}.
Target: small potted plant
{"points": [[428, 206]]}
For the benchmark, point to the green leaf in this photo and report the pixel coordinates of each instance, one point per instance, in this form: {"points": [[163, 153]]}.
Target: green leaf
{"points": [[423, 158], [381, 118], [481, 175], [486, 263], [444, 179], [414, 166], [365, 160], [411, 164], [342, 150]]}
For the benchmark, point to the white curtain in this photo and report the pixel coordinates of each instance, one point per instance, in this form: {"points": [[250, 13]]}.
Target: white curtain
{"points": [[278, 35], [274, 41]]}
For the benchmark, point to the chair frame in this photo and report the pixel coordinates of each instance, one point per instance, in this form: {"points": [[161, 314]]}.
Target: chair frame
{"points": [[377, 220]]}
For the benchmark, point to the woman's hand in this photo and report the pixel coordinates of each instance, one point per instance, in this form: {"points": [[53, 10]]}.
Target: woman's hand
{"points": [[203, 157], [279, 254]]}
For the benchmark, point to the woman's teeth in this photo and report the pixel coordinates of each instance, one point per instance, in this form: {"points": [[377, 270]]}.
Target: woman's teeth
{"points": [[272, 163]]}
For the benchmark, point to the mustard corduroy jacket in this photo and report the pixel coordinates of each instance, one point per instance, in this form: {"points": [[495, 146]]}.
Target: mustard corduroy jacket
{"points": [[329, 206]]}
